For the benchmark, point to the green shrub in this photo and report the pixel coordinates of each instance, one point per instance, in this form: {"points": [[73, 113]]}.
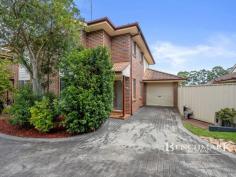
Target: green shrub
{"points": [[86, 101], [226, 115], [20, 110], [6, 110], [42, 114], [5, 83]]}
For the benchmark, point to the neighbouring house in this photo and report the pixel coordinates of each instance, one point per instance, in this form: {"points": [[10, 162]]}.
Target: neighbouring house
{"points": [[228, 78], [135, 84]]}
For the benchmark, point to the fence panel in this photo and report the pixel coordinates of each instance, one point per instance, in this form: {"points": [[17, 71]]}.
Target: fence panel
{"points": [[205, 100]]}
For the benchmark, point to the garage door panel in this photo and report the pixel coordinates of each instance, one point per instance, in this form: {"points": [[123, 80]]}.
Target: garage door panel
{"points": [[160, 94]]}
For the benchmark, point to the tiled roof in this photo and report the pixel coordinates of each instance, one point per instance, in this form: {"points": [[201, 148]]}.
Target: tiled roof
{"points": [[119, 67], [227, 77], [153, 75]]}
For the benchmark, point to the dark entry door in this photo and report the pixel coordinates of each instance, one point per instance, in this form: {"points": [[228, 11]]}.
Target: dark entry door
{"points": [[118, 103]]}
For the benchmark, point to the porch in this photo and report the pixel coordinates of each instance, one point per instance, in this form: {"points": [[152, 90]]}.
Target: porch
{"points": [[122, 96]]}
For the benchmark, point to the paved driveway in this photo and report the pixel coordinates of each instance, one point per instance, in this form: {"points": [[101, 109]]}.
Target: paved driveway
{"points": [[140, 146]]}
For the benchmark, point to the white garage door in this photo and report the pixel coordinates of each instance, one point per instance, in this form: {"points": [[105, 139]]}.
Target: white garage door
{"points": [[160, 94]]}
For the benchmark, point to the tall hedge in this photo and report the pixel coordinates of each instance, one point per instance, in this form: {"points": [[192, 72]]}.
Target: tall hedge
{"points": [[86, 100]]}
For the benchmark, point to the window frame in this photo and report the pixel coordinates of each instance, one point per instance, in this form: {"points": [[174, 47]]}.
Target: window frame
{"points": [[134, 49], [142, 58]]}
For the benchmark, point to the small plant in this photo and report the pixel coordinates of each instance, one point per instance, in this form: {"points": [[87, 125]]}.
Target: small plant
{"points": [[42, 115], [227, 116], [20, 110]]}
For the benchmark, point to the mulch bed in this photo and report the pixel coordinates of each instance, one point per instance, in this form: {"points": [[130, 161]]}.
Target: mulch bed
{"points": [[9, 129], [198, 123]]}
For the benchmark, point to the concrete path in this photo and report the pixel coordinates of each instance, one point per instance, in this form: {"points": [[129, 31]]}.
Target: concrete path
{"points": [[138, 147]]}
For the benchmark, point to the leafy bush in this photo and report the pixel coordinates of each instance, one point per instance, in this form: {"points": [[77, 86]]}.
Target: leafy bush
{"points": [[6, 110], [42, 114], [226, 115], [86, 101], [5, 83], [20, 110]]}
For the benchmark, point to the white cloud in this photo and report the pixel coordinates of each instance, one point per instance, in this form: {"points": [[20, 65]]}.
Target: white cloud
{"points": [[217, 50]]}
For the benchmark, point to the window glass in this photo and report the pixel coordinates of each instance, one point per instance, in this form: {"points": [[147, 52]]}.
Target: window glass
{"points": [[62, 84], [21, 83], [142, 56], [134, 48]]}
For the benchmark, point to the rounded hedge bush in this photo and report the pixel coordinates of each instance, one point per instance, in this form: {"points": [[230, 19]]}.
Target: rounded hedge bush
{"points": [[42, 115], [20, 111], [86, 101]]}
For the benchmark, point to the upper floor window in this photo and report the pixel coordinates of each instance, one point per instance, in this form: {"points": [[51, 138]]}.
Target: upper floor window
{"points": [[134, 49], [141, 58]]}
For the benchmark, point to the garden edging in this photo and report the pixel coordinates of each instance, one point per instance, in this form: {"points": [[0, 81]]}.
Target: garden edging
{"points": [[231, 155], [50, 140]]}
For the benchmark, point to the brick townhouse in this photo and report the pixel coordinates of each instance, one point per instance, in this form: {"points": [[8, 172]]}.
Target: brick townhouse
{"points": [[135, 84]]}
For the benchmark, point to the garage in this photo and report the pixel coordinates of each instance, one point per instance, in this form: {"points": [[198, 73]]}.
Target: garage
{"points": [[161, 89], [160, 94]]}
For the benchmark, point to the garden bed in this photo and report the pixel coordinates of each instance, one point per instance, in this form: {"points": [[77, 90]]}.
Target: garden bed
{"points": [[9, 129], [223, 140], [228, 136]]}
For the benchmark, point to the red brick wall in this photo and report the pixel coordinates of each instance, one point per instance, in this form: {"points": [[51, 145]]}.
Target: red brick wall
{"points": [[54, 85], [127, 96], [94, 39], [107, 41], [121, 48], [137, 73], [83, 38], [144, 93], [15, 72]]}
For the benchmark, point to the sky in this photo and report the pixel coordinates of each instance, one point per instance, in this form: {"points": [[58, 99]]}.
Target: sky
{"points": [[183, 35]]}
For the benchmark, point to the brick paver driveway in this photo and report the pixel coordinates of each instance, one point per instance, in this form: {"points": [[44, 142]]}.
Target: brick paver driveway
{"points": [[135, 147]]}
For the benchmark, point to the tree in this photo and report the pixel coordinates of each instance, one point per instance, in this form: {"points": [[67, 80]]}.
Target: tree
{"points": [[184, 74], [5, 83], [202, 76], [217, 71], [38, 33]]}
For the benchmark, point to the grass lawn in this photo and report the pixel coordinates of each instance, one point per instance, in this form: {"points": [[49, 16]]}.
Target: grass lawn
{"points": [[229, 136]]}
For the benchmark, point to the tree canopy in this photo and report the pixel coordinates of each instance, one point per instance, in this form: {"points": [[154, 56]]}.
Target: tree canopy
{"points": [[38, 33], [4, 77], [202, 76]]}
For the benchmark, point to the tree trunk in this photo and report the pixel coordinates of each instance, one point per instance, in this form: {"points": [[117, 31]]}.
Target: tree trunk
{"points": [[37, 88]]}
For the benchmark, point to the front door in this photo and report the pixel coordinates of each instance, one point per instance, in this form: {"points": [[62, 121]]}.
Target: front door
{"points": [[118, 103]]}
